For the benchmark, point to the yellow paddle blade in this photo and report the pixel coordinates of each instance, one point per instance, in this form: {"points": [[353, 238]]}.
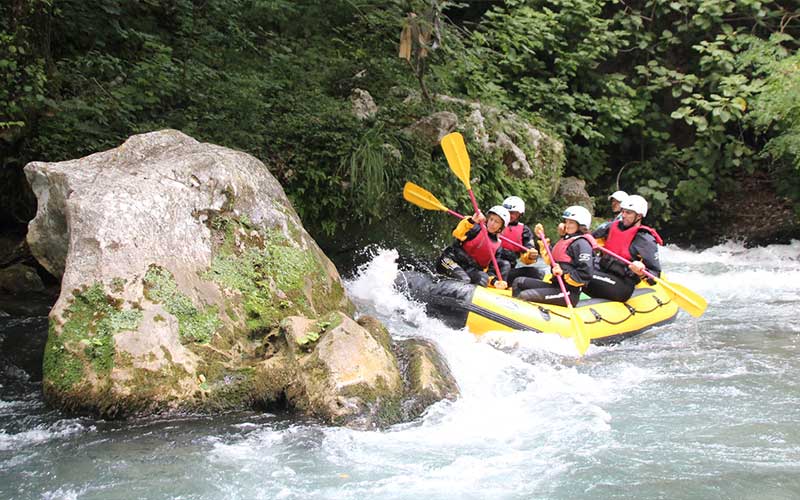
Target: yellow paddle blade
{"points": [[457, 157], [421, 198], [581, 339], [688, 300]]}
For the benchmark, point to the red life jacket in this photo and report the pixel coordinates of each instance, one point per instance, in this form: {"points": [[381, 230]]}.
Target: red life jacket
{"points": [[560, 248], [478, 249], [514, 233], [619, 240]]}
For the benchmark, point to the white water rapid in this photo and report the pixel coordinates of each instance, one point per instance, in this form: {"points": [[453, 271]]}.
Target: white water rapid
{"points": [[701, 408]]}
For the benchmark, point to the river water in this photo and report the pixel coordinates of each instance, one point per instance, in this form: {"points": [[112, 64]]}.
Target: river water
{"points": [[704, 409]]}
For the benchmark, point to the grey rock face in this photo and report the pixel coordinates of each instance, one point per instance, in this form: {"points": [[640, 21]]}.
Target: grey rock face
{"points": [[432, 128], [364, 106], [158, 243], [573, 190]]}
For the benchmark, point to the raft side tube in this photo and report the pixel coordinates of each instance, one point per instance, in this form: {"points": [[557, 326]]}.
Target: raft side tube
{"points": [[483, 309], [444, 299]]}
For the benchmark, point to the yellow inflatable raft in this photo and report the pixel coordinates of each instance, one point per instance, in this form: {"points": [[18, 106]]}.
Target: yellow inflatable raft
{"points": [[487, 309]]}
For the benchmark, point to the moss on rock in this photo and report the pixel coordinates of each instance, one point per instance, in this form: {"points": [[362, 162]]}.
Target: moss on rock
{"points": [[275, 277], [195, 325], [84, 337]]}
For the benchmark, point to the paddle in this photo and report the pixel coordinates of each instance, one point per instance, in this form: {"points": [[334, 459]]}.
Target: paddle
{"points": [[581, 339], [690, 301], [424, 199], [457, 157]]}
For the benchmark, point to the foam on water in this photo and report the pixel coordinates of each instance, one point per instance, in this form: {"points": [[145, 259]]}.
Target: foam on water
{"points": [[40, 434]]}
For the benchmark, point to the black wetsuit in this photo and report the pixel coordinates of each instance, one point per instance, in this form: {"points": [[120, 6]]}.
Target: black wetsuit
{"points": [[611, 278], [576, 273], [511, 256]]}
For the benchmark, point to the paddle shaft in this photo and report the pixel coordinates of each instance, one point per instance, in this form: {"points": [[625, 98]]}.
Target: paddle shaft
{"points": [[581, 339], [485, 235], [693, 303], [558, 276], [626, 261]]}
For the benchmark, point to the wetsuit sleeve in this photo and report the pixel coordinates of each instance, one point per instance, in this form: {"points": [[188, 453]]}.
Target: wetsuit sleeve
{"points": [[528, 238], [506, 254], [602, 230], [645, 247], [580, 270], [464, 227]]}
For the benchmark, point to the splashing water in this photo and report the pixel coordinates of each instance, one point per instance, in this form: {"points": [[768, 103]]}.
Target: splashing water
{"points": [[700, 408]]}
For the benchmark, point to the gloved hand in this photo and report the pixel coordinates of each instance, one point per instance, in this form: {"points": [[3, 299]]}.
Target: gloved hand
{"points": [[543, 251], [529, 257], [500, 284], [538, 229], [568, 279]]}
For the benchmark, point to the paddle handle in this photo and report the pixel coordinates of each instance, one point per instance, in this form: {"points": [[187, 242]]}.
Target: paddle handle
{"points": [[485, 235], [558, 277], [623, 259]]}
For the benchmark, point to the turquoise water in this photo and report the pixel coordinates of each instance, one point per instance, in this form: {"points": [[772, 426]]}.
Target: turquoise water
{"points": [[703, 408]]}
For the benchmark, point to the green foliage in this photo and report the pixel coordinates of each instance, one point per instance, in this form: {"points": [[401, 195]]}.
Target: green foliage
{"points": [[22, 67], [545, 57], [681, 97], [776, 109], [370, 169]]}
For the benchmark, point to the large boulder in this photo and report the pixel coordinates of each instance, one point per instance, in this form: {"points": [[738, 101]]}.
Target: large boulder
{"points": [[179, 260], [573, 191], [189, 283]]}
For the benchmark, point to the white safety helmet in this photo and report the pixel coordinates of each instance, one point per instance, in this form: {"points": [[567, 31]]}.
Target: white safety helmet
{"points": [[502, 212], [514, 204], [620, 196], [635, 203], [578, 214]]}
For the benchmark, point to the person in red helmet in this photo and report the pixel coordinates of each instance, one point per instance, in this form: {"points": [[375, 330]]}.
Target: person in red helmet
{"points": [[469, 258], [629, 238], [573, 261]]}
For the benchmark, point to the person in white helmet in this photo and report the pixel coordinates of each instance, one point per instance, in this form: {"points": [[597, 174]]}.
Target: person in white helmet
{"points": [[629, 238], [469, 258], [573, 261], [616, 198], [522, 235]]}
